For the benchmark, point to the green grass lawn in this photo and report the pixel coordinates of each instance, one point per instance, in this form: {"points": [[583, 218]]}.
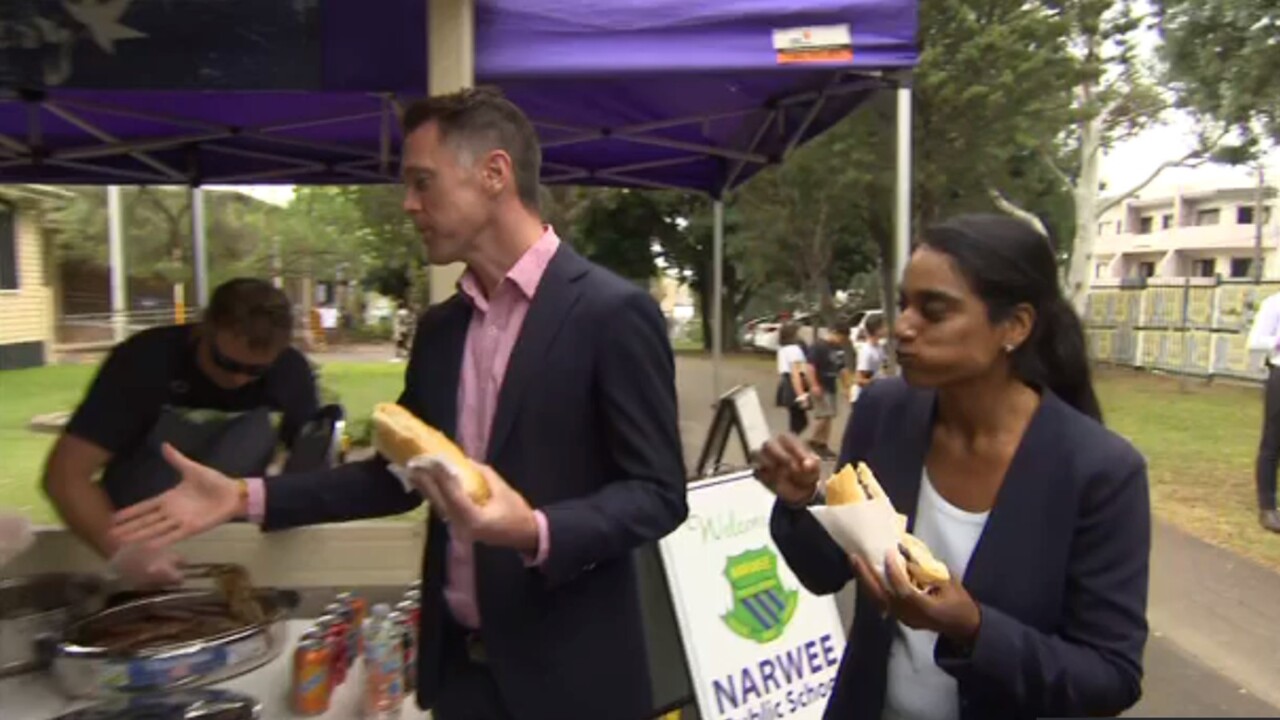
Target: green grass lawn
{"points": [[1199, 440]]}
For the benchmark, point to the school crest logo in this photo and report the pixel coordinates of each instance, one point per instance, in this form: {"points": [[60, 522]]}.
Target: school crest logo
{"points": [[762, 607]]}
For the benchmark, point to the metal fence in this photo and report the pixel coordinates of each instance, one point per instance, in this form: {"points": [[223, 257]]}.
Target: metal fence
{"points": [[1193, 326]]}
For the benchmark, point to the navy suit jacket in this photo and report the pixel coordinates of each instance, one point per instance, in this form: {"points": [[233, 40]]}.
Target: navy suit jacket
{"points": [[1060, 571], [586, 429]]}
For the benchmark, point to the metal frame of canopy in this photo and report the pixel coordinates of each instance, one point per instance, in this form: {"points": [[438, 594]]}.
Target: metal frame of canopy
{"points": [[295, 159]]}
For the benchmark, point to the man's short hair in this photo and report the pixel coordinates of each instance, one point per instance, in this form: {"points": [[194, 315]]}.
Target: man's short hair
{"points": [[874, 324], [478, 120], [253, 309]]}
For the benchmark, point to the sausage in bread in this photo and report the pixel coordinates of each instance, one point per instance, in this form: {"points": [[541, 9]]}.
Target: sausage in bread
{"points": [[399, 436]]}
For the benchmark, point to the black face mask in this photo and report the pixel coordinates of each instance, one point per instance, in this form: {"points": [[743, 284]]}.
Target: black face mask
{"points": [[233, 366]]}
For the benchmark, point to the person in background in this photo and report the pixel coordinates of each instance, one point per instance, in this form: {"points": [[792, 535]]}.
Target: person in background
{"points": [[827, 359], [214, 383], [796, 381], [1264, 337], [402, 323], [869, 364], [991, 442]]}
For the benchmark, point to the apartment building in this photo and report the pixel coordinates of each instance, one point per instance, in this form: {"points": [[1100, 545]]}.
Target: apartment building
{"points": [[1186, 232]]}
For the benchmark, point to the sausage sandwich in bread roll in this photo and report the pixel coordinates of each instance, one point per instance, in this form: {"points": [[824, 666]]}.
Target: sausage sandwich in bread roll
{"points": [[855, 485], [399, 436]]}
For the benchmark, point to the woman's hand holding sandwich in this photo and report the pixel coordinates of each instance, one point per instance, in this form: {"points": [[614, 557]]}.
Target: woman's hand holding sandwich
{"points": [[945, 608]]}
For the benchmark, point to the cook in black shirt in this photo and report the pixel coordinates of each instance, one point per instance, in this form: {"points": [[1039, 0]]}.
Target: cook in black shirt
{"points": [[211, 389]]}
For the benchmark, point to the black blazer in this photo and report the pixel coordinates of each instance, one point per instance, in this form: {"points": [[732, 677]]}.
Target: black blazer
{"points": [[1060, 571], [586, 429]]}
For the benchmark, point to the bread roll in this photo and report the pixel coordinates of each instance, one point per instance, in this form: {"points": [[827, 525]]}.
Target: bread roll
{"points": [[843, 487], [870, 485], [852, 485], [923, 568], [399, 436]]}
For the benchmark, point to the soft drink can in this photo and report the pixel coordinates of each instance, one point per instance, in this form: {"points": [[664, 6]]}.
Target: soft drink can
{"points": [[336, 638], [337, 610], [354, 621], [411, 611], [359, 607], [311, 677]]}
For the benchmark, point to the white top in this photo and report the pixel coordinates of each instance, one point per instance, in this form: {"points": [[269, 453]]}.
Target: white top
{"points": [[916, 688], [1265, 334], [870, 360], [788, 355]]}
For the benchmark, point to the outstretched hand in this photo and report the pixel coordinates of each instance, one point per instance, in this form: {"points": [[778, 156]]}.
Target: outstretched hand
{"points": [[203, 499]]}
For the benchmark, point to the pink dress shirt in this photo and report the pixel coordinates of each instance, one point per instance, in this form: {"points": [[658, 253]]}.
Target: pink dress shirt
{"points": [[495, 326]]}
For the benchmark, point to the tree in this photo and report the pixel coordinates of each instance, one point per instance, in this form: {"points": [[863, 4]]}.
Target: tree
{"points": [[994, 83], [797, 217], [157, 231], [618, 229], [691, 254], [1222, 59], [1113, 99], [394, 260]]}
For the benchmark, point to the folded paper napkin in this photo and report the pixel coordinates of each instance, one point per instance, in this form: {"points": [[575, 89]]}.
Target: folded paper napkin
{"points": [[404, 473], [869, 530]]}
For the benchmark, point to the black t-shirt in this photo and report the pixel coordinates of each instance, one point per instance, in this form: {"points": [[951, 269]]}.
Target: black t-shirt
{"points": [[157, 369], [828, 360]]}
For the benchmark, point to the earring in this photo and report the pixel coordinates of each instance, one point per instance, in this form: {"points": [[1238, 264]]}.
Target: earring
{"points": [[1009, 348]]}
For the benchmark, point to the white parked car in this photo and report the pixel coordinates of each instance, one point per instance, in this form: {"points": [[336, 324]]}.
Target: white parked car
{"points": [[765, 337]]}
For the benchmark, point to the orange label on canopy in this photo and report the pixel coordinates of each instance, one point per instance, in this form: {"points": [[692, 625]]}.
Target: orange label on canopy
{"points": [[835, 54]]}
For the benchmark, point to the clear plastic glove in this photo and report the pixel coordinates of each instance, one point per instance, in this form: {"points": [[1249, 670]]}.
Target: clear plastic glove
{"points": [[15, 537], [145, 567]]}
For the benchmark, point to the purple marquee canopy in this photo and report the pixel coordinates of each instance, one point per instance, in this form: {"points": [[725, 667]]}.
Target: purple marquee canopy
{"points": [[661, 93]]}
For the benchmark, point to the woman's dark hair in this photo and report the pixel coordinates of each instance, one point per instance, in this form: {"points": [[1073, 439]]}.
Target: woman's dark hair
{"points": [[1009, 263], [788, 334]]}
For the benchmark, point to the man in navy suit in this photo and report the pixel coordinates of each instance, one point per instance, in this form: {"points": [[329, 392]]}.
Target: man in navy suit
{"points": [[559, 376]]}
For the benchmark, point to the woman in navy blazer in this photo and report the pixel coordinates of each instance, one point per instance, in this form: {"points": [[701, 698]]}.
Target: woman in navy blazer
{"points": [[992, 444]]}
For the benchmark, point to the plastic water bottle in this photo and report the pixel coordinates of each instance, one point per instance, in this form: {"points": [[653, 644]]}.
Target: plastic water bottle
{"points": [[383, 662]]}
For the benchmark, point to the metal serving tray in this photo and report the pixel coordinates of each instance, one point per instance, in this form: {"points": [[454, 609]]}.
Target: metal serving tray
{"points": [[96, 672]]}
